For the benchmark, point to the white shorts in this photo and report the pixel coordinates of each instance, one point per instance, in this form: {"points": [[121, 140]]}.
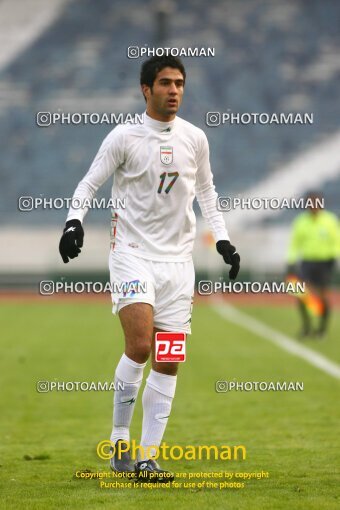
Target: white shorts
{"points": [[167, 286]]}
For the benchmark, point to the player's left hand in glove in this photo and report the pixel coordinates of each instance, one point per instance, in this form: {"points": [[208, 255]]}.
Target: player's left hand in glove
{"points": [[71, 241], [230, 256]]}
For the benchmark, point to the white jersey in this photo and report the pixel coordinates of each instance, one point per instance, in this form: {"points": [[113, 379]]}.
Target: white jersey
{"points": [[158, 168]]}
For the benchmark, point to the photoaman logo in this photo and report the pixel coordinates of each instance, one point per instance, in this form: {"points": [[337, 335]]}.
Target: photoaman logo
{"points": [[170, 347], [107, 450]]}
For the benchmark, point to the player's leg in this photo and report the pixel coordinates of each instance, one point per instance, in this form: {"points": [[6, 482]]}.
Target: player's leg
{"points": [[135, 310], [158, 395], [157, 401], [305, 319], [320, 274], [137, 323], [325, 313], [306, 328], [172, 313], [325, 275]]}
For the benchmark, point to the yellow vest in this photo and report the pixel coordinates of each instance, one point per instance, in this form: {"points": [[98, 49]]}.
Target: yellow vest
{"points": [[315, 237]]}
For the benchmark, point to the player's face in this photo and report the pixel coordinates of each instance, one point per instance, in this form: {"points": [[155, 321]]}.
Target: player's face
{"points": [[165, 97]]}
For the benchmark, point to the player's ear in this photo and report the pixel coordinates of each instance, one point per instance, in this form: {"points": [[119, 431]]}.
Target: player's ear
{"points": [[145, 91]]}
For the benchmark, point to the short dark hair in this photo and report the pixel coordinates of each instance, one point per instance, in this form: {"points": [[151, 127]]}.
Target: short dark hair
{"points": [[312, 193], [152, 66]]}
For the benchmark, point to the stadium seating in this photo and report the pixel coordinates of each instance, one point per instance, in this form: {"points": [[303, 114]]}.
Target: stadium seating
{"points": [[270, 57]]}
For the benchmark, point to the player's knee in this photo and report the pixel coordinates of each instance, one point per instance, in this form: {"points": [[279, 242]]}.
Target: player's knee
{"points": [[139, 349], [165, 368], [144, 350]]}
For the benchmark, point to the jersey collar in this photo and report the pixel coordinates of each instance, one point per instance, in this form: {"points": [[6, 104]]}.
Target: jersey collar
{"points": [[157, 125]]}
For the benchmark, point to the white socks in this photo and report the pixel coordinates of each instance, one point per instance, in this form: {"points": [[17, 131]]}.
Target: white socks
{"points": [[157, 399], [158, 395], [130, 375]]}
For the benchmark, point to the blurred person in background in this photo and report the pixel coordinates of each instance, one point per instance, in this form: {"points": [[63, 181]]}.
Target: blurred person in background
{"points": [[312, 254]]}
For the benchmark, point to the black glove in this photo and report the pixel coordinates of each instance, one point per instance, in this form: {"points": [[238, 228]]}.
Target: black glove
{"points": [[71, 241], [230, 256]]}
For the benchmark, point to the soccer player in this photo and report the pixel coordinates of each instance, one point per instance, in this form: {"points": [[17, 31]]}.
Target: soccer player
{"points": [[159, 166], [312, 253]]}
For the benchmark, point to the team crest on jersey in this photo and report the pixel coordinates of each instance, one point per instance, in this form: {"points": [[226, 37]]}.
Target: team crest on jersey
{"points": [[167, 155]]}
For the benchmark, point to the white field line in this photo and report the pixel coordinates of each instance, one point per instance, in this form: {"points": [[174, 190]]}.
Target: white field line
{"points": [[285, 343]]}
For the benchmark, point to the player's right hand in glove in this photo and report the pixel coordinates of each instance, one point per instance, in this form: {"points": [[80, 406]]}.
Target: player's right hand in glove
{"points": [[71, 241], [230, 256]]}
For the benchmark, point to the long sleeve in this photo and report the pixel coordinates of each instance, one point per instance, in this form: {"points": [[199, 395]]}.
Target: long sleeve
{"points": [[206, 194], [109, 157]]}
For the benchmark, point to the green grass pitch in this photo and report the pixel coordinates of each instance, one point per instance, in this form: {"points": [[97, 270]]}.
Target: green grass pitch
{"points": [[292, 435]]}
